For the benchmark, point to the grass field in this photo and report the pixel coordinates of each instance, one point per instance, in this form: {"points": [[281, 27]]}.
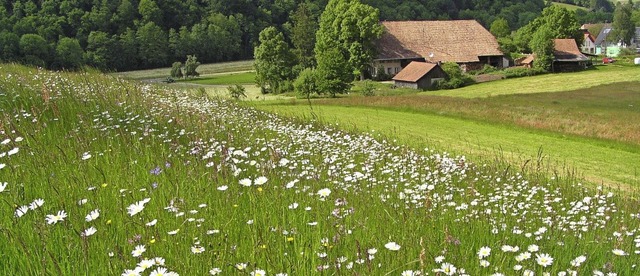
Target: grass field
{"points": [[101, 176], [203, 69], [610, 112], [521, 118], [597, 161], [225, 79], [548, 83], [569, 6]]}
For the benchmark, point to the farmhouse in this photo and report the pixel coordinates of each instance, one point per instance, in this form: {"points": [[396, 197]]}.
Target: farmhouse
{"points": [[419, 75], [465, 42]]}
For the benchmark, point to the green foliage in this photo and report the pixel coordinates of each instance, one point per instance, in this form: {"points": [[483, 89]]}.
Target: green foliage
{"points": [[9, 46], [542, 46], [34, 49], [176, 70], [307, 83], [218, 30], [558, 22], [510, 73], [303, 35], [150, 11], [190, 66], [237, 91], [500, 28], [635, 17], [352, 28], [368, 88], [623, 27], [381, 74], [455, 77], [334, 73], [152, 41], [273, 61], [69, 54]]}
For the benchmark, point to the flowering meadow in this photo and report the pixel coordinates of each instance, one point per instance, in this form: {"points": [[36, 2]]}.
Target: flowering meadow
{"points": [[102, 176]]}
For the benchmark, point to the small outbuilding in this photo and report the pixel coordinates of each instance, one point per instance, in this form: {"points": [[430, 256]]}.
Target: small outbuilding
{"points": [[419, 75], [567, 56]]}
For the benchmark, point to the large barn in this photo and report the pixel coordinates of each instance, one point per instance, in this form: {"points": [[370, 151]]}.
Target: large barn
{"points": [[465, 42]]}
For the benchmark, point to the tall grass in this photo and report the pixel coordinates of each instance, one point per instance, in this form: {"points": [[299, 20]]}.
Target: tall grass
{"points": [[207, 186]]}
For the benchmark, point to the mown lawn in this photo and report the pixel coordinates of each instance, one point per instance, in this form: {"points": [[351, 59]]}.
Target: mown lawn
{"points": [[547, 83], [610, 112], [225, 79], [203, 69]]}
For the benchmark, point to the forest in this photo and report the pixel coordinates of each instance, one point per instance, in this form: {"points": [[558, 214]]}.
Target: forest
{"points": [[137, 34]]}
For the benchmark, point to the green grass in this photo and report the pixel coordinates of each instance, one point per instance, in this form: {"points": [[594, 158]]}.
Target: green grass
{"points": [[602, 112], [203, 69], [569, 6], [547, 83], [599, 162], [319, 201], [225, 79]]}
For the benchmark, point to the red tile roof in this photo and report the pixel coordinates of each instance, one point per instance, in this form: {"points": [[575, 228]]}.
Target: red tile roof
{"points": [[414, 71], [447, 41]]}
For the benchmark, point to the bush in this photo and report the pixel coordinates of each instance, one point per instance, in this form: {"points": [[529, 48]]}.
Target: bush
{"points": [[237, 91], [176, 70], [455, 77], [522, 72], [485, 70], [381, 75], [368, 89], [307, 83]]}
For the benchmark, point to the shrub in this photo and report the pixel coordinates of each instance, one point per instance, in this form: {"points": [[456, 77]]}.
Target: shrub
{"points": [[190, 67], [368, 89], [237, 91], [455, 77], [381, 75], [522, 72], [307, 83], [176, 70]]}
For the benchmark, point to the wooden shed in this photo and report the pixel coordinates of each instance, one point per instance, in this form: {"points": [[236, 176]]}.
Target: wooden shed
{"points": [[419, 75]]}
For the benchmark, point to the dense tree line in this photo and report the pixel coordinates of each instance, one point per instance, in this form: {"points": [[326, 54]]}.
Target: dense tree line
{"points": [[135, 34]]}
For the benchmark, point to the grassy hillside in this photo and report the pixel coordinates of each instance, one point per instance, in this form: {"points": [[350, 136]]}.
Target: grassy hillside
{"points": [[101, 176], [597, 161], [203, 69], [610, 112], [569, 6], [548, 83]]}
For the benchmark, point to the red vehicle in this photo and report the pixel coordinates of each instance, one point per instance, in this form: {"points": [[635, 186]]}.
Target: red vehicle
{"points": [[608, 60]]}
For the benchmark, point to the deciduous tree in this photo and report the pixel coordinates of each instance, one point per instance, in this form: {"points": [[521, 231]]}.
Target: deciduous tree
{"points": [[623, 28], [355, 27], [500, 28], [273, 60], [69, 54]]}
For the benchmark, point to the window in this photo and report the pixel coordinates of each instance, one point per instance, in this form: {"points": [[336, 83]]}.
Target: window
{"points": [[397, 69], [389, 70]]}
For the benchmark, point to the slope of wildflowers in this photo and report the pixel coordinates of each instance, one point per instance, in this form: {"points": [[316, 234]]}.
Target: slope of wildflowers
{"points": [[102, 176]]}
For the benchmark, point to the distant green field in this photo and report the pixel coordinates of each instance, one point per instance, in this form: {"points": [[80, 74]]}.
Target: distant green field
{"points": [[569, 6], [547, 83], [203, 69], [225, 79]]}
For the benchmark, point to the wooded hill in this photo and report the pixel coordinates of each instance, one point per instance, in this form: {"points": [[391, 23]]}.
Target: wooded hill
{"points": [[131, 34]]}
